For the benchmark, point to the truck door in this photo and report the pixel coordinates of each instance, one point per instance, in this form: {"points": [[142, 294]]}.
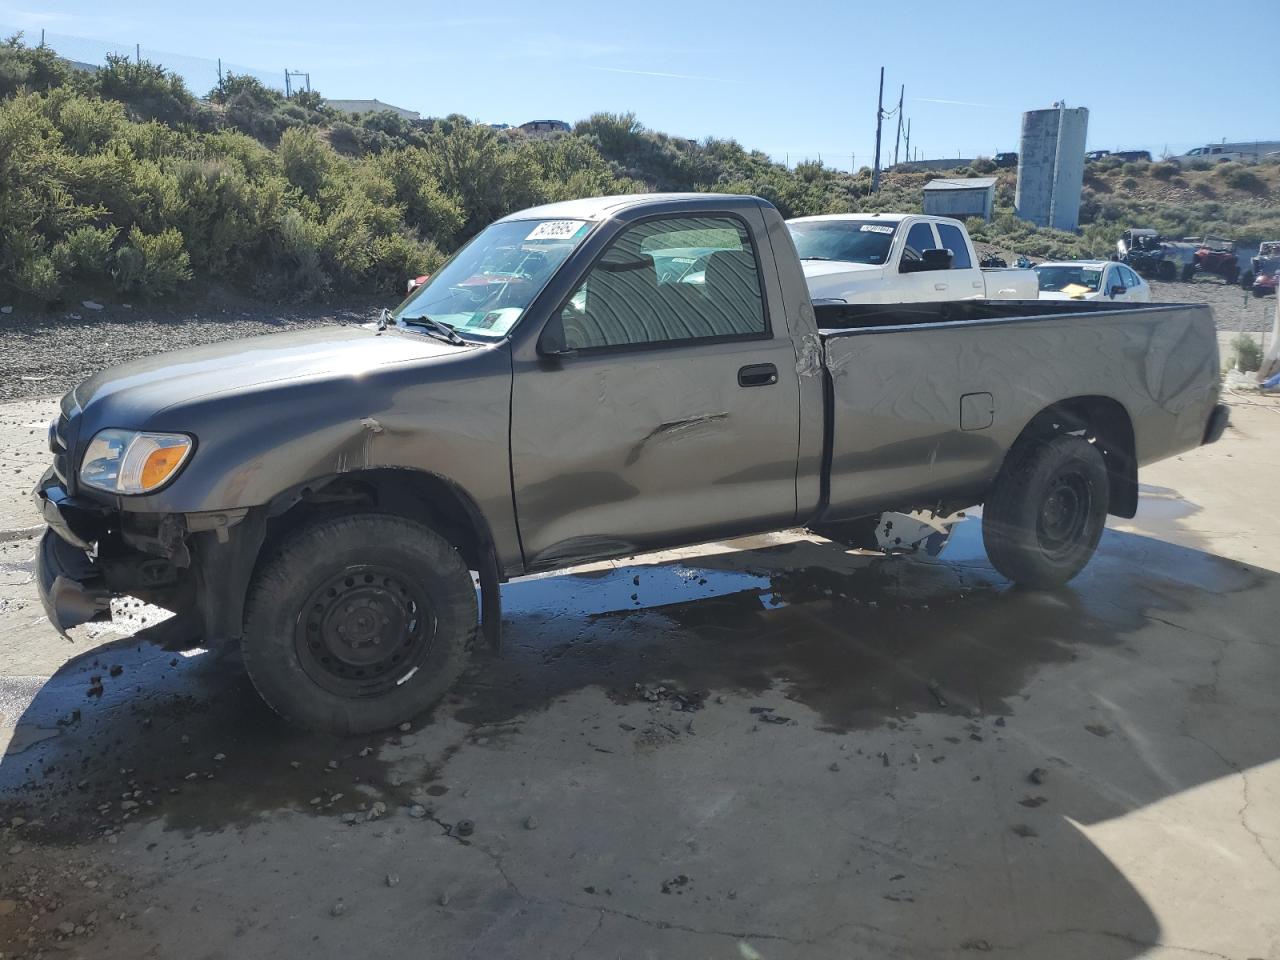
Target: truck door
{"points": [[965, 276], [671, 414], [921, 286]]}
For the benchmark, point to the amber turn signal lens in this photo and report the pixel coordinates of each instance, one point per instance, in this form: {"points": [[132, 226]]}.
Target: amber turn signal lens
{"points": [[160, 464]]}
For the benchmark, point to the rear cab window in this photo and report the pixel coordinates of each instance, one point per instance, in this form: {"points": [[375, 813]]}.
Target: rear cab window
{"points": [[953, 239], [669, 281]]}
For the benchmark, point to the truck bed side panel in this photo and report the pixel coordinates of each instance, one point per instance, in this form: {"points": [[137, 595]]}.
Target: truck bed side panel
{"points": [[898, 440]]}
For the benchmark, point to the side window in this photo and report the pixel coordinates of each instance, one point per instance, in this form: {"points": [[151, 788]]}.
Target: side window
{"points": [[919, 239], [1130, 278], [664, 281], [953, 239]]}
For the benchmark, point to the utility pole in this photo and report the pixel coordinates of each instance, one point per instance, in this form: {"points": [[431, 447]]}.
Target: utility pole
{"points": [[137, 53], [286, 82], [898, 139], [908, 144], [875, 170]]}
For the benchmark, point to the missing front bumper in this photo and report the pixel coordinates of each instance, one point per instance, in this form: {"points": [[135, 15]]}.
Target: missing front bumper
{"points": [[72, 588]]}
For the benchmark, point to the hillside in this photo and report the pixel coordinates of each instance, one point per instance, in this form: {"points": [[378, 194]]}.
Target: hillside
{"points": [[123, 184]]}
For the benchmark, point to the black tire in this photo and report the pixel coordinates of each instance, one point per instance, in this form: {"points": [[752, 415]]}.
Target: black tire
{"points": [[1046, 512], [1246, 280], [349, 577], [1167, 271], [1188, 272]]}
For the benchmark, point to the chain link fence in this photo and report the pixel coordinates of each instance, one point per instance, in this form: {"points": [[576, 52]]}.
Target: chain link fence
{"points": [[201, 74]]}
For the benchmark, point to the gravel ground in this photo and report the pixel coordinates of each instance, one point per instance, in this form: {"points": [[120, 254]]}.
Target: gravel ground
{"points": [[1235, 309], [48, 353]]}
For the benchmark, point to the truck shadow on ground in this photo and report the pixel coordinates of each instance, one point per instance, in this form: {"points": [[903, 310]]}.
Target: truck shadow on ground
{"points": [[857, 644]]}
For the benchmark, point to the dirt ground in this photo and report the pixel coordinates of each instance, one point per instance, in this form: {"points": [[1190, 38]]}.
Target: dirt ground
{"points": [[767, 748], [48, 352]]}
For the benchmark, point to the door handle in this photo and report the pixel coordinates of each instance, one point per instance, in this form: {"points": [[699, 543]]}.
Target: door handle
{"points": [[757, 375], [939, 286]]}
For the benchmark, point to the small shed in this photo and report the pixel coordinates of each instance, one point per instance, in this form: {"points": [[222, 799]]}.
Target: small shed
{"points": [[960, 197]]}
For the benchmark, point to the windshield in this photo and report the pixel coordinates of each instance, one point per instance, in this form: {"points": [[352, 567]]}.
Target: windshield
{"points": [[1056, 279], [487, 285], [850, 241]]}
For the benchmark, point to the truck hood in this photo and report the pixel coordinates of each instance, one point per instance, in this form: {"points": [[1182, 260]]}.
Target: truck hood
{"points": [[143, 387], [845, 268], [835, 279]]}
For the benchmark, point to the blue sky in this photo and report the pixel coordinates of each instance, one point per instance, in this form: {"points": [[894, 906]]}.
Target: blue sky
{"points": [[797, 80]]}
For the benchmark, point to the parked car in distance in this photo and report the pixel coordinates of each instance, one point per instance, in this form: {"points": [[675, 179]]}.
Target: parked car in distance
{"points": [[1127, 156], [899, 258], [1008, 159], [1249, 151], [564, 390], [1091, 280]]}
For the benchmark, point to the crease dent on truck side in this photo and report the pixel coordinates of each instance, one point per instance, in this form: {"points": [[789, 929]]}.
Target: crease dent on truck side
{"points": [[587, 380]]}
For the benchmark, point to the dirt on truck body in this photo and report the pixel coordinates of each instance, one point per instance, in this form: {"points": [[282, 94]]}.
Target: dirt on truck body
{"points": [[587, 380]]}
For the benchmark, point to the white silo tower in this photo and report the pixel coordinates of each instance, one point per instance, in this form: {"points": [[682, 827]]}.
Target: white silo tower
{"points": [[1051, 166]]}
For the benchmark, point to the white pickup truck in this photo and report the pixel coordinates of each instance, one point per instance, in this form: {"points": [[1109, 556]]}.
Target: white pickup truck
{"points": [[899, 258]]}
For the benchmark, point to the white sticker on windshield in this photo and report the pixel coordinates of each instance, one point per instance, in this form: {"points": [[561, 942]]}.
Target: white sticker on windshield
{"points": [[556, 230], [875, 228]]}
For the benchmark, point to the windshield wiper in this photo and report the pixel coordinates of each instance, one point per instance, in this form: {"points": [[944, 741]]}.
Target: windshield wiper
{"points": [[816, 258], [445, 331]]}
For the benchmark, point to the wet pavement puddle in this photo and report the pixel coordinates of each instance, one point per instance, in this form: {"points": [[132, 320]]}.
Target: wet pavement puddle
{"points": [[861, 641]]}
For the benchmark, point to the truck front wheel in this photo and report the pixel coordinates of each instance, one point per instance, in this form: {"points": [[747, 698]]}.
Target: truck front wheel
{"points": [[357, 623], [1046, 512]]}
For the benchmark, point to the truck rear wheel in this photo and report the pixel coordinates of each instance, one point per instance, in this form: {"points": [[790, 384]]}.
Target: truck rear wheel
{"points": [[1047, 510], [357, 623]]}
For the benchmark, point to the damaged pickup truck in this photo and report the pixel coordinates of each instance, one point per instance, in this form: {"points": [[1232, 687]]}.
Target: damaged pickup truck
{"points": [[591, 379]]}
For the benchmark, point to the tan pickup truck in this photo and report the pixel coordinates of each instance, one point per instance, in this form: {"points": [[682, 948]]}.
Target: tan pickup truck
{"points": [[591, 379]]}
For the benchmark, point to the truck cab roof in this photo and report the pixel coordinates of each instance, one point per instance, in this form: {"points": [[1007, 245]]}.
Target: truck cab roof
{"points": [[892, 219], [602, 208]]}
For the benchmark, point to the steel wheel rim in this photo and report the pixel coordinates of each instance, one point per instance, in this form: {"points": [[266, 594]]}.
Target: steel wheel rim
{"points": [[364, 631], [1064, 514]]}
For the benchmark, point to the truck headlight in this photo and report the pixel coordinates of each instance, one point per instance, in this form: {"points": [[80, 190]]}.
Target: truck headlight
{"points": [[132, 462]]}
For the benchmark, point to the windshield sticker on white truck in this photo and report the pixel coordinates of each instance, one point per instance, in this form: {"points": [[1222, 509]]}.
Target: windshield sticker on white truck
{"points": [[876, 228], [556, 230]]}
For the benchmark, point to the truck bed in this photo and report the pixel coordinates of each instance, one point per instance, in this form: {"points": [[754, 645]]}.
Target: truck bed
{"points": [[840, 317], [924, 400]]}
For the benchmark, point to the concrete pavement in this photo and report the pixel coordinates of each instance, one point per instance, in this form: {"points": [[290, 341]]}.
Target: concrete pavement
{"points": [[774, 749]]}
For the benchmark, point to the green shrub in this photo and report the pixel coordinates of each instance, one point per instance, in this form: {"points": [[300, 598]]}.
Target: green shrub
{"points": [[149, 90], [1164, 170], [152, 265], [1248, 353], [29, 68], [306, 161], [1241, 177], [89, 249]]}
